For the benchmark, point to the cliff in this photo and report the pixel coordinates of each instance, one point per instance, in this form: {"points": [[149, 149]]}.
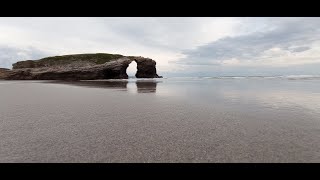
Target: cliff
{"points": [[3, 73], [81, 67], [69, 60]]}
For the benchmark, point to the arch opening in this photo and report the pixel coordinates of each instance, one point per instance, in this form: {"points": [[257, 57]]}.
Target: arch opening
{"points": [[132, 70]]}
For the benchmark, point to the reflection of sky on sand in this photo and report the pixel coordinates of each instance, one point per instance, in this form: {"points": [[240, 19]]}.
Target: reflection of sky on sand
{"points": [[276, 94], [258, 93], [283, 94], [278, 99]]}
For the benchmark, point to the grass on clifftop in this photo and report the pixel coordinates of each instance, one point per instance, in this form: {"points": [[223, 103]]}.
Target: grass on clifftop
{"points": [[99, 58]]}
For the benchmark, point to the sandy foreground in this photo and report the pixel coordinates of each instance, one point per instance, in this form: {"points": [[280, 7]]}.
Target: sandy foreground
{"points": [[167, 120]]}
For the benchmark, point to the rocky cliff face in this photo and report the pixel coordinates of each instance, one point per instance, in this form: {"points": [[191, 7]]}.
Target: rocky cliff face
{"points": [[3, 73], [146, 68], [81, 67]]}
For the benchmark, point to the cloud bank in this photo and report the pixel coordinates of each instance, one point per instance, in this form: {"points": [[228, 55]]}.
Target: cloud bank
{"points": [[185, 46]]}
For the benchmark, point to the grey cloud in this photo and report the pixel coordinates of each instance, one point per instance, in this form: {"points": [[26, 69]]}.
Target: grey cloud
{"points": [[299, 33], [10, 55], [300, 49], [164, 33], [162, 37]]}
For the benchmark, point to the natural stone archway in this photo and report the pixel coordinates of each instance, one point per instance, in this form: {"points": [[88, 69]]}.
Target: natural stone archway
{"points": [[81, 69], [146, 68]]}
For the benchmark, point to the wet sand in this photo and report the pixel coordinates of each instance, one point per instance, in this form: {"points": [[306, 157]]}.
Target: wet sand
{"points": [[165, 120]]}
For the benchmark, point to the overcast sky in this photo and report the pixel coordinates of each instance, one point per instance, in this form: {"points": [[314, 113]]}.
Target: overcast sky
{"points": [[181, 46]]}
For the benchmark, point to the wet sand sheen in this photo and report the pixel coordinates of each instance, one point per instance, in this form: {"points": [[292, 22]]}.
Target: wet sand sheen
{"points": [[160, 121]]}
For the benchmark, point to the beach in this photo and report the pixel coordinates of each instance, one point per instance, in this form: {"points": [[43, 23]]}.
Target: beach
{"points": [[195, 119]]}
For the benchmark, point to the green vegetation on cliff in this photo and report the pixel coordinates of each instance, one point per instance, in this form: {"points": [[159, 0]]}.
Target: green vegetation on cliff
{"points": [[99, 58]]}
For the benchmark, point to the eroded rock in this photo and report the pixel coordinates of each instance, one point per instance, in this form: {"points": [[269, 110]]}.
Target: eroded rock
{"points": [[146, 68], [3, 73], [80, 68]]}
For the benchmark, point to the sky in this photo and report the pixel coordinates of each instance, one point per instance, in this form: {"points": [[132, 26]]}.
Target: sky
{"points": [[181, 46]]}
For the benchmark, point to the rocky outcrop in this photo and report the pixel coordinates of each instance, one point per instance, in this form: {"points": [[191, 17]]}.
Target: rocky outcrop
{"points": [[146, 68], [25, 64], [3, 73], [81, 67]]}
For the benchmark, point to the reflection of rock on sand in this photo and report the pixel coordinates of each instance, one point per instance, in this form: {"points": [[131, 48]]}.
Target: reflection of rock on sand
{"points": [[142, 86], [146, 86], [96, 84]]}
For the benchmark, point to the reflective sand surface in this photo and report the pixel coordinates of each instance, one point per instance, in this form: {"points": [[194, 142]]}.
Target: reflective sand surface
{"points": [[164, 120]]}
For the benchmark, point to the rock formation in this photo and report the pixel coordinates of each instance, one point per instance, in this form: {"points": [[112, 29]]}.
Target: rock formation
{"points": [[146, 68], [3, 73], [81, 67]]}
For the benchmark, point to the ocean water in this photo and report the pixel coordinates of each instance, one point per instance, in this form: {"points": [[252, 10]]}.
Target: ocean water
{"points": [[187, 119]]}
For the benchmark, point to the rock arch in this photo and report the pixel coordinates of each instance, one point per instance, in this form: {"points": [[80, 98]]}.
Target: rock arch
{"points": [[115, 69], [146, 68]]}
